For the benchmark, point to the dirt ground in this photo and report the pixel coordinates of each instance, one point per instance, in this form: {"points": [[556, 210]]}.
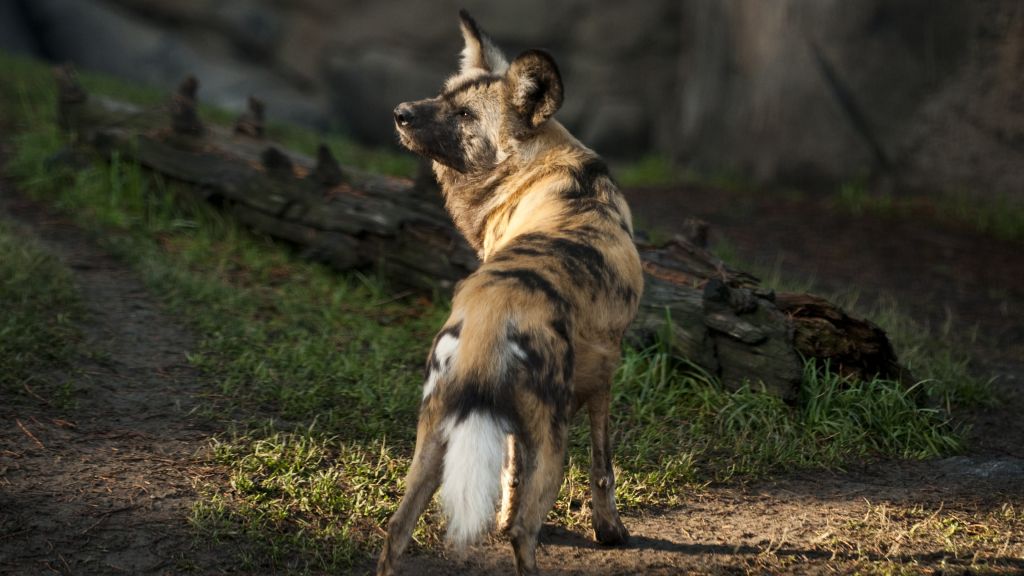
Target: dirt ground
{"points": [[105, 485]]}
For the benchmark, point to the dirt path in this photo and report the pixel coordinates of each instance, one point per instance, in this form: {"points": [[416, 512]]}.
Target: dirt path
{"points": [[101, 482], [104, 484]]}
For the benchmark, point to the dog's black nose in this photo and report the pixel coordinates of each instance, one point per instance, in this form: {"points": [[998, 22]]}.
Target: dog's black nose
{"points": [[404, 115]]}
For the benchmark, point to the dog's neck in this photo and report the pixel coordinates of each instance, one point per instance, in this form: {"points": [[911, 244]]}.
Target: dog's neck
{"points": [[513, 198]]}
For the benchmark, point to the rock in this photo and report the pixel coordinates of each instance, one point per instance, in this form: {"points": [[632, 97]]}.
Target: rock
{"points": [[302, 45], [1005, 468], [756, 87], [969, 136], [15, 33], [253, 26], [616, 31], [110, 40]]}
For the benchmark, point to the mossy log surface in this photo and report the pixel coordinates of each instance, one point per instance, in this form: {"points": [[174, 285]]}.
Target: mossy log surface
{"points": [[718, 318]]}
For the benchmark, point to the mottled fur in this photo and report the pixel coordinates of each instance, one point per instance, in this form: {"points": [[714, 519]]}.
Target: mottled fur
{"points": [[535, 333]]}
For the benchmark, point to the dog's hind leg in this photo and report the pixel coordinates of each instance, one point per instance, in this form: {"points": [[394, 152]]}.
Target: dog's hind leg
{"points": [[608, 527], [541, 478], [420, 484]]}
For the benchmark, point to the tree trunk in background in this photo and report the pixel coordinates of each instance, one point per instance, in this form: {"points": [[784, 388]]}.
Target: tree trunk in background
{"points": [[718, 318]]}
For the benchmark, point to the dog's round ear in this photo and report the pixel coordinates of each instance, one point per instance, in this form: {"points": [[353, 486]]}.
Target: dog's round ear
{"points": [[535, 86]]}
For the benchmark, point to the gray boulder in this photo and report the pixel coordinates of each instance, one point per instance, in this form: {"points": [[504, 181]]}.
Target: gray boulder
{"points": [[15, 32], [811, 90], [107, 39]]}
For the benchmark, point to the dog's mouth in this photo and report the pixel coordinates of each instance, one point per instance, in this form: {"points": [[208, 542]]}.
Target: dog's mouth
{"points": [[407, 140]]}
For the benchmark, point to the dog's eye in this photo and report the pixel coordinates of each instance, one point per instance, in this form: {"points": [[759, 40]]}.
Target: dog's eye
{"points": [[464, 113]]}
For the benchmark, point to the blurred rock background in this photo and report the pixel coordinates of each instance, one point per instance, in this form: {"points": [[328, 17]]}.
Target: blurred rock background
{"points": [[927, 93]]}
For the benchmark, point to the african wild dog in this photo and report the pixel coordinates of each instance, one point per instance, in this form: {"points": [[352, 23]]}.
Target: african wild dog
{"points": [[535, 332]]}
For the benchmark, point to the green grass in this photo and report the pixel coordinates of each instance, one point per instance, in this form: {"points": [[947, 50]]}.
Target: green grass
{"points": [[304, 500], [39, 305], [652, 170], [328, 366], [659, 170], [1001, 217]]}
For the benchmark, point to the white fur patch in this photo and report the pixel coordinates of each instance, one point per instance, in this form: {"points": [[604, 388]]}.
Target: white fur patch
{"points": [[509, 484], [524, 88], [471, 483], [493, 59], [517, 351], [444, 352]]}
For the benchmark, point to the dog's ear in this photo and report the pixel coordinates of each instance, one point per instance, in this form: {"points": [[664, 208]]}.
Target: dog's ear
{"points": [[480, 52], [535, 86]]}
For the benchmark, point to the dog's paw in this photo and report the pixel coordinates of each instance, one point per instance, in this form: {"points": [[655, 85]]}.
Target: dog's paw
{"points": [[611, 533]]}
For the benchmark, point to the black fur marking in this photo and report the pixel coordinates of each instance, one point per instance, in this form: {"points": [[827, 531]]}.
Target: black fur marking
{"points": [[627, 294], [581, 260], [568, 363], [540, 372], [528, 246], [542, 376], [495, 398], [625, 225], [522, 251], [584, 196], [587, 233], [534, 282], [561, 327], [585, 179], [432, 364], [469, 84], [453, 330], [470, 22], [587, 175]]}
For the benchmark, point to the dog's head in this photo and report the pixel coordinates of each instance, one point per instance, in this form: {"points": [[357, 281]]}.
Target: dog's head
{"points": [[486, 110]]}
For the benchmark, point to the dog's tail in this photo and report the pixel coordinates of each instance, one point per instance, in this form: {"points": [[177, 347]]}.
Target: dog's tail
{"points": [[471, 484]]}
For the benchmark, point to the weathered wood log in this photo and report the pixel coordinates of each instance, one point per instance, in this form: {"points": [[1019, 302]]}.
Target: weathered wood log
{"points": [[718, 318]]}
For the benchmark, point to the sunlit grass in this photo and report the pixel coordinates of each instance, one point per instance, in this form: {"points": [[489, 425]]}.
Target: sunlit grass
{"points": [[974, 542]]}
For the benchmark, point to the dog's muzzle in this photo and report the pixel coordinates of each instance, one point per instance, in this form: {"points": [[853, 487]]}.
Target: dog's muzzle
{"points": [[404, 115]]}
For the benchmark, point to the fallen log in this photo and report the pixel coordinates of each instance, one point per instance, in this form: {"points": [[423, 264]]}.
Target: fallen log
{"points": [[718, 318]]}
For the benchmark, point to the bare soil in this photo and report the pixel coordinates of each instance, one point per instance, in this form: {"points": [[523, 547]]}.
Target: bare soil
{"points": [[104, 483], [98, 477]]}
